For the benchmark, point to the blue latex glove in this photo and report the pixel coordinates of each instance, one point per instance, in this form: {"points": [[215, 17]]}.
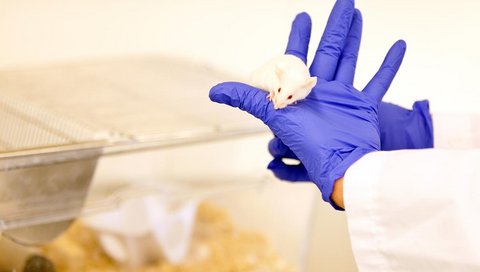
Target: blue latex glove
{"points": [[399, 128], [336, 124], [405, 129]]}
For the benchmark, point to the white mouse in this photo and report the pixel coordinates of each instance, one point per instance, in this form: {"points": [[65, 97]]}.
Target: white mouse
{"points": [[286, 78]]}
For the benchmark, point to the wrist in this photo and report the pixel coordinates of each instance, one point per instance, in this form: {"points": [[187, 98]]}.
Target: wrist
{"points": [[336, 173], [337, 194]]}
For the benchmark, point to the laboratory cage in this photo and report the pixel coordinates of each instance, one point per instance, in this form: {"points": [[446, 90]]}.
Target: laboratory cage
{"points": [[125, 165]]}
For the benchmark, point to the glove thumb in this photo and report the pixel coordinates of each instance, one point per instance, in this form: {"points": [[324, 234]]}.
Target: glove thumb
{"points": [[244, 97]]}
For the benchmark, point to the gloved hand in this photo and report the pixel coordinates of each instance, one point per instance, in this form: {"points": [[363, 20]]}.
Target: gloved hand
{"points": [[399, 128], [336, 124]]}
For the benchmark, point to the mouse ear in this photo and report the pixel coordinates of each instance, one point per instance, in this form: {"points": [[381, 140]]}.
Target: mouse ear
{"points": [[310, 83]]}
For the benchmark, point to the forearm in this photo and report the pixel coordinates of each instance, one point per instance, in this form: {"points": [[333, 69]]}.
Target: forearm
{"points": [[427, 198], [452, 130]]}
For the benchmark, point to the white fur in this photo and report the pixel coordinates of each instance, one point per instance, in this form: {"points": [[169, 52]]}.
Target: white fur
{"points": [[288, 73]]}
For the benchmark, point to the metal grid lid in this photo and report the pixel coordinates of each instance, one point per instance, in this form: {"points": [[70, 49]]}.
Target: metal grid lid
{"points": [[125, 103]]}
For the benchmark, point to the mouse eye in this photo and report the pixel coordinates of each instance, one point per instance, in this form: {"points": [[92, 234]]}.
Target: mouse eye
{"points": [[290, 97], [279, 90]]}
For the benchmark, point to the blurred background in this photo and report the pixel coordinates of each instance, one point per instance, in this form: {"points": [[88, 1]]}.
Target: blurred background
{"points": [[235, 37]]}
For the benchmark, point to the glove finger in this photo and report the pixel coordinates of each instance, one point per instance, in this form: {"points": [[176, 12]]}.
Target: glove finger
{"points": [[378, 86], [300, 36], [279, 150], [348, 60], [244, 97], [288, 172], [331, 45]]}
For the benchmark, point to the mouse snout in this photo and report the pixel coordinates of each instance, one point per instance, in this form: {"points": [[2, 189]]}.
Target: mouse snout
{"points": [[278, 106]]}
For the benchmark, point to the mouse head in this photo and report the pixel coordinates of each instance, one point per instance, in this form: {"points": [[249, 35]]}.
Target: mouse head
{"points": [[292, 89]]}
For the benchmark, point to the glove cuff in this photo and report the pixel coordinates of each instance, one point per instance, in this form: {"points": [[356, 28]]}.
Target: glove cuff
{"points": [[337, 172], [423, 110], [405, 129]]}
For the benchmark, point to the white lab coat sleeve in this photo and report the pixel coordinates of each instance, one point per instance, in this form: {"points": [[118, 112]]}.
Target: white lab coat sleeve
{"points": [[415, 210], [456, 130]]}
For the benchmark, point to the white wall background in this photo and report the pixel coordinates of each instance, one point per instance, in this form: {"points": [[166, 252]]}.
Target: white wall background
{"points": [[238, 35]]}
